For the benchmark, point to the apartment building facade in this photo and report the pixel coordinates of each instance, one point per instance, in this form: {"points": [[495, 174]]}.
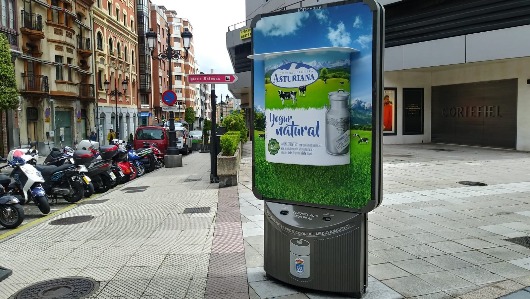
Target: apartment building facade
{"points": [[54, 70], [115, 32], [459, 71], [145, 70]]}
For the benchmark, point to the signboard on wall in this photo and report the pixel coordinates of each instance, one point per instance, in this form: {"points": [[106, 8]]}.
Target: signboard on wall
{"points": [[317, 92]]}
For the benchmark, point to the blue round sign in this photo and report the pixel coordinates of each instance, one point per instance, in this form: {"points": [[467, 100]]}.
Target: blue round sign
{"points": [[169, 97]]}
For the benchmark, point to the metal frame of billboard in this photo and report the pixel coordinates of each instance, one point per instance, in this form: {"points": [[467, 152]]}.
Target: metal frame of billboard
{"points": [[377, 92]]}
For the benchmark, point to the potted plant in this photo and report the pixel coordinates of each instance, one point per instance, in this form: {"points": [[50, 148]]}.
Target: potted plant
{"points": [[228, 159]]}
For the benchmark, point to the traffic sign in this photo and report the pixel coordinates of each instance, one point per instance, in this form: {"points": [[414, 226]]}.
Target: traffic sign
{"points": [[169, 97], [212, 78]]}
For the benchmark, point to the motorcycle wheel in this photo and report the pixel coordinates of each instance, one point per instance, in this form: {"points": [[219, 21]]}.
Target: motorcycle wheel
{"points": [[43, 204], [89, 190], [108, 183], [152, 163], [140, 170], [79, 192], [11, 216]]}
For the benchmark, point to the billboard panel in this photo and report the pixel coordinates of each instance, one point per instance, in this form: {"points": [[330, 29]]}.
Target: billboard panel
{"points": [[316, 83]]}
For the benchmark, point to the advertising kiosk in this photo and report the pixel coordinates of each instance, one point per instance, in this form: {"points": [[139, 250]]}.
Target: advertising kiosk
{"points": [[317, 87]]}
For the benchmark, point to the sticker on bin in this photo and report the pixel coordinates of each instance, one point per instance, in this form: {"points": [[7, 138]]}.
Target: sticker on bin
{"points": [[299, 264]]}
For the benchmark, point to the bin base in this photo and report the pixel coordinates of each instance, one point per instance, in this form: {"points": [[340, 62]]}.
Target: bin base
{"points": [[316, 249], [171, 161]]}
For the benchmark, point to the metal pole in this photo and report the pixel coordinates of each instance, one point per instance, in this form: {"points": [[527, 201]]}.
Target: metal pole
{"points": [[213, 141], [172, 149], [116, 132]]}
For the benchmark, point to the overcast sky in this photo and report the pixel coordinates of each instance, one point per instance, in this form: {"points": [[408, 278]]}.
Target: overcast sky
{"points": [[210, 20]]}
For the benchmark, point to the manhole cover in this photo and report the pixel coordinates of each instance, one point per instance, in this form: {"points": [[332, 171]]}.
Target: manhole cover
{"points": [[135, 189], [197, 210], [192, 179], [95, 201], [523, 241], [469, 183], [72, 220], [62, 288]]}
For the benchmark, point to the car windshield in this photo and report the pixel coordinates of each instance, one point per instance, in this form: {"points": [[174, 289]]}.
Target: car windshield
{"points": [[149, 134]]}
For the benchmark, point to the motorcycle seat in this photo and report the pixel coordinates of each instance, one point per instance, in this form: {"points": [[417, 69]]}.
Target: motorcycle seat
{"points": [[4, 180], [47, 170]]}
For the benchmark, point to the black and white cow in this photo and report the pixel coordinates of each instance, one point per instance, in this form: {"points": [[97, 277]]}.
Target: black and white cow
{"points": [[302, 89], [287, 95]]}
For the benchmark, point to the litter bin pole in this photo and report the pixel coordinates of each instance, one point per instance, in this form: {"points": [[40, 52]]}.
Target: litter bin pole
{"points": [[315, 248]]}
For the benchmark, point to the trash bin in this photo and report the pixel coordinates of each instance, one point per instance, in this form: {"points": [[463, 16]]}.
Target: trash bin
{"points": [[316, 248]]}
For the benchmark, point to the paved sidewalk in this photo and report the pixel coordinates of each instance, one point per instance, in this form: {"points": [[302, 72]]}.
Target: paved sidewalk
{"points": [[142, 241], [172, 234], [432, 237]]}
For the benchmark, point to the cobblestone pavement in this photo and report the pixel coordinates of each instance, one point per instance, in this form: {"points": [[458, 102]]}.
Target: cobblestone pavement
{"points": [[142, 241], [432, 237]]}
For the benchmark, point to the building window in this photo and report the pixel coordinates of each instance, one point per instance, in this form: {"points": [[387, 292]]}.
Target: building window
{"points": [[58, 67], [132, 25], [132, 57], [124, 20], [111, 47], [100, 41], [117, 14], [99, 3], [178, 77], [179, 90], [69, 61], [100, 80], [109, 8], [55, 12], [118, 49], [125, 55], [8, 19], [144, 99]]}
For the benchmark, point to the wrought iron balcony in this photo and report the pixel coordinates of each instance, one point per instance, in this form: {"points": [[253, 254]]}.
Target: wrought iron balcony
{"points": [[34, 83], [31, 21], [86, 90], [83, 43]]}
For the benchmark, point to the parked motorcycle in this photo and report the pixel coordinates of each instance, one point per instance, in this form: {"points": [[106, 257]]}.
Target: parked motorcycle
{"points": [[121, 160], [30, 154], [135, 161], [159, 157], [100, 169], [11, 211], [26, 183], [66, 156], [147, 158]]}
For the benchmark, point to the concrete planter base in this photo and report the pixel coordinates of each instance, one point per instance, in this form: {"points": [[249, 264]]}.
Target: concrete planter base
{"points": [[228, 169], [171, 161]]}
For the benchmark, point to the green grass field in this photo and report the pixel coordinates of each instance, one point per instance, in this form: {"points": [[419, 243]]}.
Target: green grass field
{"points": [[316, 94], [345, 185]]}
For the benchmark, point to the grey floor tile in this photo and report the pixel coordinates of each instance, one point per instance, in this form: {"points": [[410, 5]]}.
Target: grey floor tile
{"points": [[411, 286], [447, 262], [475, 243], [268, 289], [445, 280], [503, 253], [450, 246], [422, 250], [476, 257], [392, 255], [417, 266], [386, 271], [477, 275], [506, 270]]}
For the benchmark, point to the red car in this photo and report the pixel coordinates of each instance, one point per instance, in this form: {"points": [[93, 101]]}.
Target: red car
{"points": [[151, 134]]}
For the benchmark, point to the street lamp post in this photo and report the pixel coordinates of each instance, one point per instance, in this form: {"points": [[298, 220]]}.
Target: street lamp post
{"points": [[169, 54], [115, 92]]}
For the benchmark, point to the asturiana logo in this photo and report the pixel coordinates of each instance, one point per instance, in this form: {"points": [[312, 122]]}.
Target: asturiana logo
{"points": [[293, 74]]}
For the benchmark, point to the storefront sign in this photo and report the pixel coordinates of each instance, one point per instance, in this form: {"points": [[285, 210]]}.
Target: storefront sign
{"points": [[245, 33]]}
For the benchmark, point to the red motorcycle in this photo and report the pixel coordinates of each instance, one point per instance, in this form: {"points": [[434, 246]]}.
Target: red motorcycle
{"points": [[128, 169], [158, 154]]}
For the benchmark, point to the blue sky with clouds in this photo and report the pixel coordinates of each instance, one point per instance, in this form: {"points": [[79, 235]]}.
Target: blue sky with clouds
{"points": [[347, 25]]}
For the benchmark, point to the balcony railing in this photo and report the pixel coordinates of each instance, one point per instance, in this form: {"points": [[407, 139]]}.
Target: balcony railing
{"points": [[83, 43], [86, 90], [34, 83], [31, 21]]}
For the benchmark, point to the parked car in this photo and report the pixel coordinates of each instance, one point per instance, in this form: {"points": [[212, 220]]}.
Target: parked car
{"points": [[151, 134], [184, 140]]}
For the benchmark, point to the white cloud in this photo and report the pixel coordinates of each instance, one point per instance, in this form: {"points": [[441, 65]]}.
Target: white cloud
{"points": [[322, 17], [281, 25], [358, 22], [339, 37], [364, 40]]}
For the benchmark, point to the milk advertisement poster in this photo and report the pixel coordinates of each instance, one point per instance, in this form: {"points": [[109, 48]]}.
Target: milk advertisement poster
{"points": [[313, 118]]}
